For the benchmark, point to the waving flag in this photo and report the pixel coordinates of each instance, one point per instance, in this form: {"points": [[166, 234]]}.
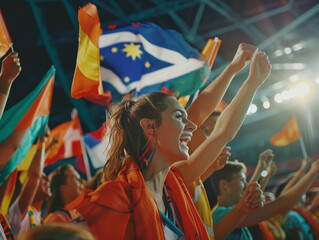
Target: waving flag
{"points": [[86, 80], [288, 134], [95, 147], [138, 58], [5, 39], [70, 143], [210, 52], [31, 113], [68, 135]]}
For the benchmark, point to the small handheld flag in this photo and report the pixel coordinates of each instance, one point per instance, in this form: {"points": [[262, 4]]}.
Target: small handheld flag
{"points": [[5, 39]]}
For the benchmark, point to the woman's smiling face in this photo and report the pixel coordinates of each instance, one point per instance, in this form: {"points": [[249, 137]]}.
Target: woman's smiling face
{"points": [[174, 132]]}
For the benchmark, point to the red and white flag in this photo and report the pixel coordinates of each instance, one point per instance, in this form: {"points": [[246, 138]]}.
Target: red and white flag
{"points": [[70, 144]]}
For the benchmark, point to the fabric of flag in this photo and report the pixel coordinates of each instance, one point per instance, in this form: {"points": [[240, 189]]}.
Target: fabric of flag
{"points": [[69, 136], [288, 134], [8, 193], [31, 113], [96, 147], [86, 81], [24, 166], [139, 58], [144, 57], [210, 50], [23, 170], [70, 144], [5, 39]]}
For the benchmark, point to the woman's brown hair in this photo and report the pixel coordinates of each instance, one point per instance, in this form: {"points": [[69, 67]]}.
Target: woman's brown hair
{"points": [[126, 136], [58, 178]]}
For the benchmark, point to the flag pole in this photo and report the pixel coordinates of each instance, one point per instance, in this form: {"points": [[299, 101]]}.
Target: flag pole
{"points": [[303, 147]]}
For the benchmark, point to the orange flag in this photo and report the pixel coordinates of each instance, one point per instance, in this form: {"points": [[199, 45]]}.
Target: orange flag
{"points": [[210, 52], [69, 136], [288, 134], [5, 40]]}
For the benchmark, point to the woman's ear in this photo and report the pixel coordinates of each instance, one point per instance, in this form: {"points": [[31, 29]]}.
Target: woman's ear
{"points": [[148, 126]]}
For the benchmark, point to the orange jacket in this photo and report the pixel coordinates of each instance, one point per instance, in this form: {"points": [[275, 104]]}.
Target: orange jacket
{"points": [[126, 209]]}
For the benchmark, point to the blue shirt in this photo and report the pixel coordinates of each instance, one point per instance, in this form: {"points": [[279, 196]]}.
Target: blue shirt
{"points": [[293, 220], [239, 233]]}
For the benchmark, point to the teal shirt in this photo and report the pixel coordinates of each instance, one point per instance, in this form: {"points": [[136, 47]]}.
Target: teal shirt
{"points": [[293, 220], [239, 233]]}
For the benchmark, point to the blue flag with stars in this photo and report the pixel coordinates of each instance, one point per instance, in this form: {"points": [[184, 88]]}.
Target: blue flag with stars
{"points": [[143, 57]]}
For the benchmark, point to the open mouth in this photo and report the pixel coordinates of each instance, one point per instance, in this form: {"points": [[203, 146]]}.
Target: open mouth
{"points": [[184, 140]]}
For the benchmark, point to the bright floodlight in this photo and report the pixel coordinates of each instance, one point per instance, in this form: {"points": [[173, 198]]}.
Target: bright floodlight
{"points": [[266, 104], [317, 80], [279, 53], [264, 173], [298, 46], [278, 98], [252, 109], [294, 78], [287, 50], [303, 89]]}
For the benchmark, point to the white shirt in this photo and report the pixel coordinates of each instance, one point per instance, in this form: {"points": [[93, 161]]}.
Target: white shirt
{"points": [[20, 224], [2, 235]]}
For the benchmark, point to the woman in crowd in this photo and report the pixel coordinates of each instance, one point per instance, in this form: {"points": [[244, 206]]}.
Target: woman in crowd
{"points": [[66, 185], [145, 194]]}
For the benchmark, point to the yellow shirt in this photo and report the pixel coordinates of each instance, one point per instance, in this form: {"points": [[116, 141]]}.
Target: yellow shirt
{"points": [[200, 200], [274, 225]]}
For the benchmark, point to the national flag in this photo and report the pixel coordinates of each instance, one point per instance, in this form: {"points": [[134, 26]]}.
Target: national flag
{"points": [[288, 134], [68, 135], [138, 58], [31, 113], [5, 39], [86, 80], [96, 147], [70, 143]]}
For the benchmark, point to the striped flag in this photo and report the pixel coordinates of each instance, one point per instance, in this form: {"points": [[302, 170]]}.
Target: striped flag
{"points": [[31, 113], [138, 58], [5, 39], [86, 80]]}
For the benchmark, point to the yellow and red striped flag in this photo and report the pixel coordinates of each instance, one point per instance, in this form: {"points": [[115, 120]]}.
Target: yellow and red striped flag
{"points": [[288, 134], [86, 80]]}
